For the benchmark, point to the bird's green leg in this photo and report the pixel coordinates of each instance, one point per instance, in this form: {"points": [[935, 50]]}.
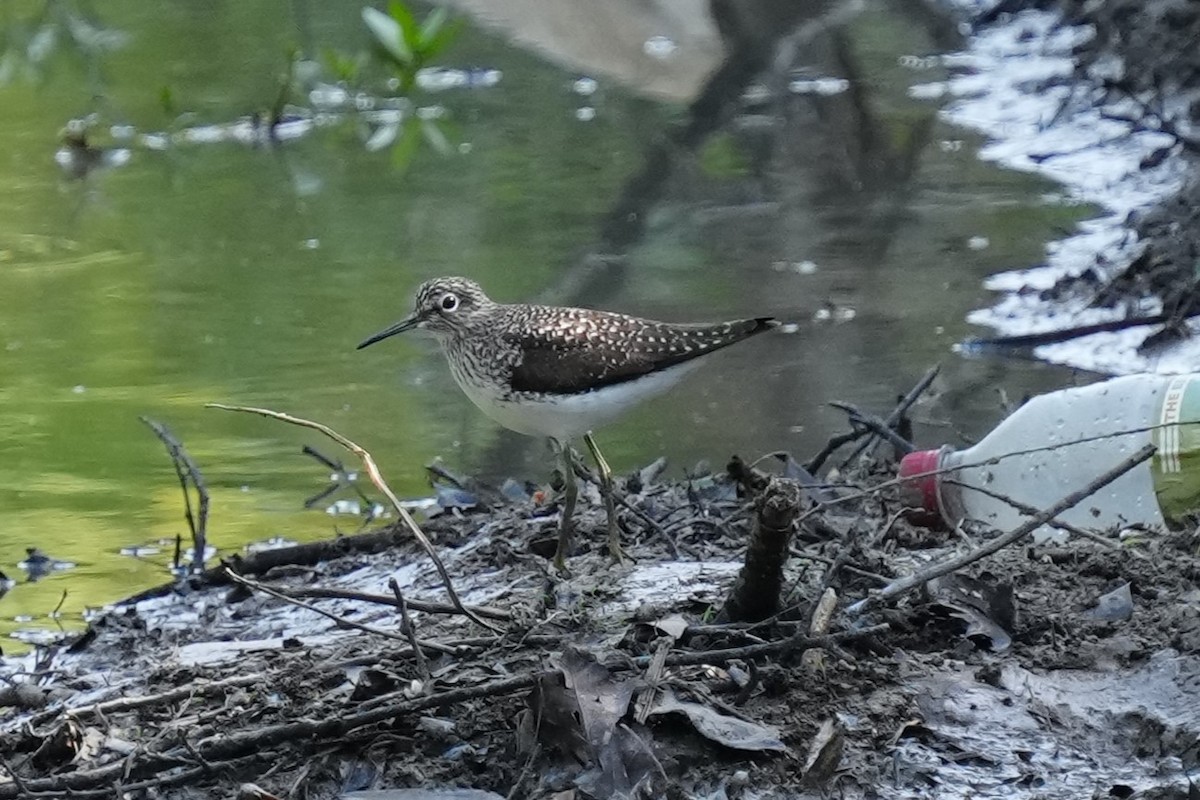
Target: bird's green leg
{"points": [[570, 494], [610, 505]]}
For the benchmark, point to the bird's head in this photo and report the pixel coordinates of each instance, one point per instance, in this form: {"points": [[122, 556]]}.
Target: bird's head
{"points": [[445, 307]]}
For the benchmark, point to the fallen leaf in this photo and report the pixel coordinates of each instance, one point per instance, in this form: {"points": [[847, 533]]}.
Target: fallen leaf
{"points": [[723, 729], [673, 626], [825, 752]]}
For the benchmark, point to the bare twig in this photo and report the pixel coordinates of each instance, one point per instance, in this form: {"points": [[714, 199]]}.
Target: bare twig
{"points": [[879, 487], [901, 408], [320, 592], [221, 748], [410, 631], [1030, 511], [889, 422], [648, 751], [228, 745], [18, 781], [1031, 340], [186, 469], [341, 477], [835, 566], [349, 623], [1164, 123], [171, 778], [877, 426], [191, 748], [534, 752], [790, 644], [654, 527], [804, 555], [652, 678], [910, 582], [376, 478], [836, 441], [162, 698], [883, 533], [58, 607]]}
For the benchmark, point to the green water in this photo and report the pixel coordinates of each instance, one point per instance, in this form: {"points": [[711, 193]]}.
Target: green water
{"points": [[237, 274]]}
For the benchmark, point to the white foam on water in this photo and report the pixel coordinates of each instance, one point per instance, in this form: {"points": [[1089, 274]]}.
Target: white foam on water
{"points": [[1021, 92]]}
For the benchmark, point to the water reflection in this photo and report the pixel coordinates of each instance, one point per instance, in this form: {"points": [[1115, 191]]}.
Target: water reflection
{"points": [[38, 36], [739, 158]]}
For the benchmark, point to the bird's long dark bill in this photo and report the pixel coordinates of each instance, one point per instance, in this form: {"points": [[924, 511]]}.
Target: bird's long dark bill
{"points": [[400, 327]]}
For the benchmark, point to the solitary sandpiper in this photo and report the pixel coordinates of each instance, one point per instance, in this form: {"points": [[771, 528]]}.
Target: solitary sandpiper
{"points": [[560, 372]]}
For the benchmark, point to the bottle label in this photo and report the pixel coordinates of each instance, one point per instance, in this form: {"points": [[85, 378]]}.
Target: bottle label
{"points": [[1176, 466]]}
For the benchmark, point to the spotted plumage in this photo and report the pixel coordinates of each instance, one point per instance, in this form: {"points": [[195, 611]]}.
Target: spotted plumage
{"points": [[556, 371], [542, 357], [572, 350]]}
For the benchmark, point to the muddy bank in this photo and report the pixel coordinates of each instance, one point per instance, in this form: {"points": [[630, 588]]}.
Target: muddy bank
{"points": [[1062, 671], [1159, 80], [1069, 670], [1144, 56], [1121, 296]]}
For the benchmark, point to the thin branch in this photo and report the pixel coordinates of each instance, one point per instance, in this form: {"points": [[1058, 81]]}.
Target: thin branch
{"points": [[836, 441], [376, 478], [919, 578], [185, 468], [220, 748], [874, 424], [191, 748], [878, 539], [534, 752], [790, 644], [1030, 511], [410, 631], [17, 780], [349, 623], [897, 481], [425, 606], [58, 607], [120, 704], [654, 527], [174, 778], [845, 567], [340, 478], [890, 422]]}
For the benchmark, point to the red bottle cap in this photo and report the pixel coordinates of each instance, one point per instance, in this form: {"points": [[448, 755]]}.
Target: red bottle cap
{"points": [[922, 490]]}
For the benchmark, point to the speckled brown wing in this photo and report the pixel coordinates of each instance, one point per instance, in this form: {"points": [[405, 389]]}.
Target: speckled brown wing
{"points": [[568, 351]]}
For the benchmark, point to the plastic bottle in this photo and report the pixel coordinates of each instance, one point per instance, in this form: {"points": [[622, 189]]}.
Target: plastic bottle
{"points": [[1087, 430]]}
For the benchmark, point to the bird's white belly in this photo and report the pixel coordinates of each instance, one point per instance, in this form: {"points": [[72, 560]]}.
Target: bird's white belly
{"points": [[565, 416]]}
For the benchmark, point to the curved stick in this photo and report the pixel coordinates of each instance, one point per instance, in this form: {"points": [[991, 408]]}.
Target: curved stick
{"points": [[376, 478], [920, 577]]}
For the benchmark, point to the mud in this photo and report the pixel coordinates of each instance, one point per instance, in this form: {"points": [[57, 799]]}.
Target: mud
{"points": [[1046, 691], [1067, 670], [1116, 122], [1159, 80]]}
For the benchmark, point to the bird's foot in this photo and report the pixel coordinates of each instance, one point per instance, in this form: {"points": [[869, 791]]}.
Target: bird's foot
{"points": [[564, 546], [615, 551], [618, 555]]}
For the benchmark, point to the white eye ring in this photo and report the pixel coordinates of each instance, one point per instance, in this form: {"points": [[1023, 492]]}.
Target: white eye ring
{"points": [[449, 302]]}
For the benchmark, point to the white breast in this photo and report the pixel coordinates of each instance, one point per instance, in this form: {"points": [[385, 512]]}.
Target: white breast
{"points": [[563, 417]]}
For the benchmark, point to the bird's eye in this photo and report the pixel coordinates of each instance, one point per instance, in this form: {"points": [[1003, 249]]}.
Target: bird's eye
{"points": [[450, 302]]}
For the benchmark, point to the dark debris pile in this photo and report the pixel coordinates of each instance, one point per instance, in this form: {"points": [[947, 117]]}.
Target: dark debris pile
{"points": [[298, 677], [1156, 44], [1143, 66]]}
